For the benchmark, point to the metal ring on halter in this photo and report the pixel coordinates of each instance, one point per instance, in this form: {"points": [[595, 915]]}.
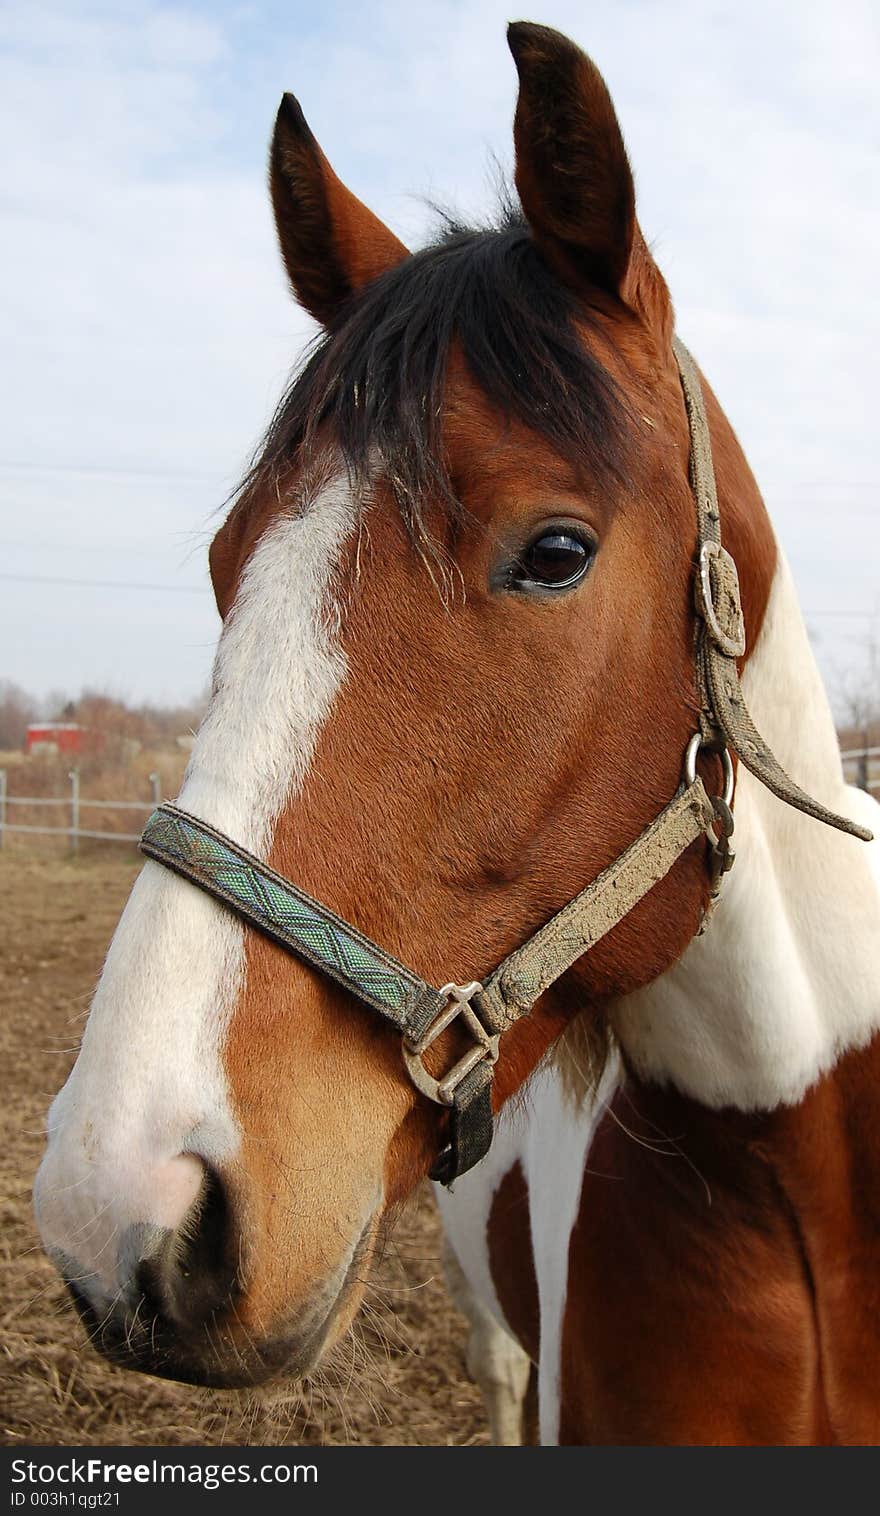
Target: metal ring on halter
{"points": [[690, 766]]}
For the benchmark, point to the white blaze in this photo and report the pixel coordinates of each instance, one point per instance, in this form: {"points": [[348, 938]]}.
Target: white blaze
{"points": [[149, 1082]]}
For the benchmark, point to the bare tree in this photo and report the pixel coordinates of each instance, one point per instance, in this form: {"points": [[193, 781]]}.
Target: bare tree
{"points": [[17, 711], [858, 701]]}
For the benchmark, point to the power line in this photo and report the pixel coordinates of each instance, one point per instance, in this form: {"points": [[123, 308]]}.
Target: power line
{"points": [[111, 470], [145, 471], [198, 589], [820, 484], [851, 615], [109, 584]]}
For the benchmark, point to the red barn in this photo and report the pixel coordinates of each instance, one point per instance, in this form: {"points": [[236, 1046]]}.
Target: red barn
{"points": [[55, 737]]}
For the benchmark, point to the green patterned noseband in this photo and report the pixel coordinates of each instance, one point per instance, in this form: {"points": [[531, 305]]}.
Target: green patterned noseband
{"points": [[291, 918], [322, 939], [315, 934]]}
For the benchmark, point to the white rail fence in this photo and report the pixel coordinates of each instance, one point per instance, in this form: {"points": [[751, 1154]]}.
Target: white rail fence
{"points": [[861, 767], [75, 804]]}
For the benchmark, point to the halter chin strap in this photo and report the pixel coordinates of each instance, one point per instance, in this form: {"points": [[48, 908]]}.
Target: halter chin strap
{"points": [[312, 932]]}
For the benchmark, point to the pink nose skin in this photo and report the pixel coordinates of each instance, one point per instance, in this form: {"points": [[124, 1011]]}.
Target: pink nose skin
{"points": [[90, 1206], [150, 1254], [175, 1187]]}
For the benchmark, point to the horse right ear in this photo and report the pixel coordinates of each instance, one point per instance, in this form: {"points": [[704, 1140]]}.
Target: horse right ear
{"points": [[331, 243], [573, 175]]}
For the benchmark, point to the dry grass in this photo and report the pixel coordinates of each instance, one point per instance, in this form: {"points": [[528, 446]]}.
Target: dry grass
{"points": [[398, 1379], [103, 777]]}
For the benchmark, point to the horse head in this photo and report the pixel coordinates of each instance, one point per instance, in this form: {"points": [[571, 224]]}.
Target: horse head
{"points": [[455, 679]]}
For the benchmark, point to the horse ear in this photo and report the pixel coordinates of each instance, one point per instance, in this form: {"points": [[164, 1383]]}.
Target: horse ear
{"points": [[572, 173], [331, 243]]}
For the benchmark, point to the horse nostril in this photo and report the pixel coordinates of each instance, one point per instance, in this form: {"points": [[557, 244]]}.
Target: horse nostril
{"points": [[194, 1273]]}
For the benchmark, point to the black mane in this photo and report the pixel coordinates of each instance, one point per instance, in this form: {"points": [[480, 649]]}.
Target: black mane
{"points": [[377, 376]]}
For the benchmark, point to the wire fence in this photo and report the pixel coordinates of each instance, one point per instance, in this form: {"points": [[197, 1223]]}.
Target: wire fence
{"points": [[75, 803], [861, 767]]}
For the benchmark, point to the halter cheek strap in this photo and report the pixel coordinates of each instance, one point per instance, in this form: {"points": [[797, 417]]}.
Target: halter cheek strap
{"points": [[419, 1011], [721, 637]]}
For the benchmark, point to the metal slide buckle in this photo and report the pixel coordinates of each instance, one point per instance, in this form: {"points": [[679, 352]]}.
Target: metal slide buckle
{"points": [[456, 1002], [732, 638]]}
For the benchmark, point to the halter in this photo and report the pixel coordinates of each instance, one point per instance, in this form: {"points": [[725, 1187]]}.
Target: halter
{"points": [[312, 932]]}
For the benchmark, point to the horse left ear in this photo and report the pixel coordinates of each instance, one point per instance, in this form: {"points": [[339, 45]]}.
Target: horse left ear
{"points": [[331, 243], [573, 175]]}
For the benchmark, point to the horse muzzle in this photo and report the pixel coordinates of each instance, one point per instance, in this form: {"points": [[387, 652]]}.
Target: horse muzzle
{"points": [[181, 1302]]}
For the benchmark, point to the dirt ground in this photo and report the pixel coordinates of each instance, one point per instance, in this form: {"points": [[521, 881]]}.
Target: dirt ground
{"points": [[400, 1377]]}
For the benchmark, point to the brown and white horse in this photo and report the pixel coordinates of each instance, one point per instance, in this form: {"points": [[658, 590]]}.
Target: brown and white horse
{"points": [[455, 679]]}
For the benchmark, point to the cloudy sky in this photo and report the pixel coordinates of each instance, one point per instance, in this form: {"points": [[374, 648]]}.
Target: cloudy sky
{"points": [[147, 329]]}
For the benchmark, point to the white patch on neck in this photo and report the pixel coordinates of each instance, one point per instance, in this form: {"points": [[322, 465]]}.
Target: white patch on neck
{"points": [[149, 1081], [557, 1151], [787, 976], [550, 1134]]}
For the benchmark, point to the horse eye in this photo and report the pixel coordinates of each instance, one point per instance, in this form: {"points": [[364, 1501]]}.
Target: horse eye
{"points": [[556, 560]]}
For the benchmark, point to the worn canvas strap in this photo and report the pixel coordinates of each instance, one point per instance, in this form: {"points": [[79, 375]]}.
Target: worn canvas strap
{"points": [[724, 717], [524, 976]]}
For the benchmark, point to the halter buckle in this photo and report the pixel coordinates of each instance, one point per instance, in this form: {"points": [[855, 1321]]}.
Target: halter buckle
{"points": [[718, 600], [455, 1002]]}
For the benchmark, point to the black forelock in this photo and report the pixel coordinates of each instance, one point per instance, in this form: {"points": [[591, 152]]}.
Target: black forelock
{"points": [[376, 379]]}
